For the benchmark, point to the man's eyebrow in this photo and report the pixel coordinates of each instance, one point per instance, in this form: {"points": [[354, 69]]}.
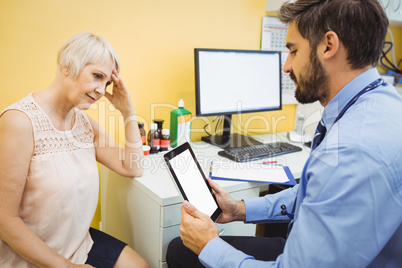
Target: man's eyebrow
{"points": [[289, 45]]}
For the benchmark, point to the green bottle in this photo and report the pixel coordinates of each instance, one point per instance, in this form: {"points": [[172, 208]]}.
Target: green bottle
{"points": [[180, 125]]}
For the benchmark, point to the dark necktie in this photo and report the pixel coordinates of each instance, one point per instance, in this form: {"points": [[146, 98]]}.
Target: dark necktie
{"points": [[319, 134], [318, 137]]}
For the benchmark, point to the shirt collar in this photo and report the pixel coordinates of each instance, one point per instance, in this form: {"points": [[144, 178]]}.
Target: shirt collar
{"points": [[335, 106]]}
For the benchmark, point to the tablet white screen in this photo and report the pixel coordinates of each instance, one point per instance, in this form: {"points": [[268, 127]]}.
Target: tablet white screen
{"points": [[193, 183]]}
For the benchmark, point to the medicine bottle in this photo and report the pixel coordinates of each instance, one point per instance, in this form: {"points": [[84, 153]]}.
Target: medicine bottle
{"points": [[165, 140], [159, 123], [152, 142], [143, 134], [180, 125], [158, 132]]}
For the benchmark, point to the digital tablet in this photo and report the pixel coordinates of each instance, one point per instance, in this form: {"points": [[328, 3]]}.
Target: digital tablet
{"points": [[190, 180]]}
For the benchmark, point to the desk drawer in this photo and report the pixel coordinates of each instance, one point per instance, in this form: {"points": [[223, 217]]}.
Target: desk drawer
{"points": [[170, 215], [167, 235], [244, 194]]}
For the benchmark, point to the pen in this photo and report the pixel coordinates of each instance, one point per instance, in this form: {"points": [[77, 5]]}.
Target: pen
{"points": [[269, 162]]}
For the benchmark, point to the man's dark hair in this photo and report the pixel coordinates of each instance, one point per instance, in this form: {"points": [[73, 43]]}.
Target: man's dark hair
{"points": [[361, 26]]}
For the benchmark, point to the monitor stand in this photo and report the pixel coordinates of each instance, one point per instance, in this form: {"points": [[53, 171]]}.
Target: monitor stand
{"points": [[227, 140]]}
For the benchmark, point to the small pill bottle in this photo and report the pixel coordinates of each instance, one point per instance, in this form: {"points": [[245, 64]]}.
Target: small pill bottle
{"points": [[146, 149], [153, 142], [165, 140], [142, 133]]}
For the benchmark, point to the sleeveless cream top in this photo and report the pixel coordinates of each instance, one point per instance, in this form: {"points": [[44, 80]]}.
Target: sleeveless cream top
{"points": [[61, 191]]}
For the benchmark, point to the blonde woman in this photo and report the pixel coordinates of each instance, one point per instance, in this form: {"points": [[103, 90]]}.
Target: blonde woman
{"points": [[49, 149]]}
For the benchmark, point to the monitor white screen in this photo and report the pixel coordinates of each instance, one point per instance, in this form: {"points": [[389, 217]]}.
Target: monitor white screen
{"points": [[237, 81]]}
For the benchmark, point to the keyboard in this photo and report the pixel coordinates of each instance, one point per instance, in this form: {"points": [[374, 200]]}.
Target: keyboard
{"points": [[253, 152]]}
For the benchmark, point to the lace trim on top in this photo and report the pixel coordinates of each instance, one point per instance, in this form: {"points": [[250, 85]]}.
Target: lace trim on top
{"points": [[49, 140]]}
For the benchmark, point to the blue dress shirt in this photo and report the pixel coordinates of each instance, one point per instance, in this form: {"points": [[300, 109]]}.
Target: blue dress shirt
{"points": [[349, 199]]}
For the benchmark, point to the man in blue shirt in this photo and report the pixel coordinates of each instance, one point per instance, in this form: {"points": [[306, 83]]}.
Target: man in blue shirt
{"points": [[348, 210]]}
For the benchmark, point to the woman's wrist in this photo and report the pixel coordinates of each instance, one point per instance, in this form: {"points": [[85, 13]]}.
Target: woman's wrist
{"points": [[129, 114]]}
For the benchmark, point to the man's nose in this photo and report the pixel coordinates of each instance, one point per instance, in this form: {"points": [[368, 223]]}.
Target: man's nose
{"points": [[287, 67]]}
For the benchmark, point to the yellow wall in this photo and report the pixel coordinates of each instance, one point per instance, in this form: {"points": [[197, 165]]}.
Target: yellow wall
{"points": [[154, 40], [397, 33]]}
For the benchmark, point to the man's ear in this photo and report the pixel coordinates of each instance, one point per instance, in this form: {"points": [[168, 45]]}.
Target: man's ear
{"points": [[330, 45]]}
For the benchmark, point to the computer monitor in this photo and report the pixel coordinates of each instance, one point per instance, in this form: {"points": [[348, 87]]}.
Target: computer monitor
{"points": [[229, 81]]}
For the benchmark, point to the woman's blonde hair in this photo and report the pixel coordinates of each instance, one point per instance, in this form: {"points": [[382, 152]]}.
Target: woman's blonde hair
{"points": [[82, 49]]}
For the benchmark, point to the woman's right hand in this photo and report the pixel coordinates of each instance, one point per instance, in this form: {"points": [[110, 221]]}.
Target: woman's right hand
{"points": [[72, 265]]}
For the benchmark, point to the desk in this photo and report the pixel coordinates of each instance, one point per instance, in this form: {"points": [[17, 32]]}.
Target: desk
{"points": [[145, 212]]}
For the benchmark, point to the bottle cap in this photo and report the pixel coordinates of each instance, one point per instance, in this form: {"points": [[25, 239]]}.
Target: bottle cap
{"points": [[140, 124], [153, 126], [181, 103], [146, 149], [159, 122], [165, 131]]}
